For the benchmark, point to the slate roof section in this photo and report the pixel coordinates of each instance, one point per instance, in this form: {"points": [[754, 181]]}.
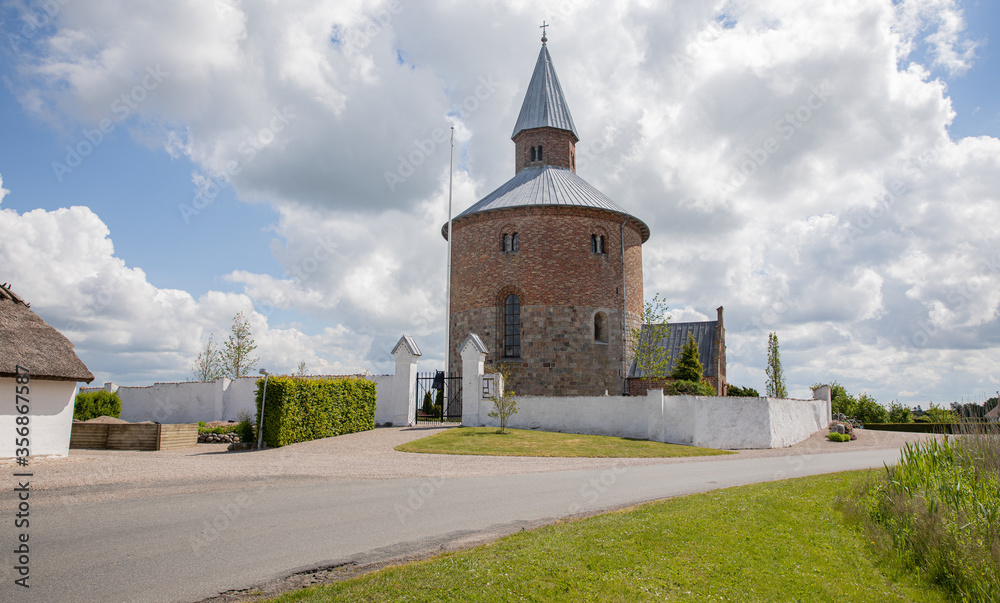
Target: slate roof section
{"points": [[28, 341], [547, 185], [704, 335], [544, 102]]}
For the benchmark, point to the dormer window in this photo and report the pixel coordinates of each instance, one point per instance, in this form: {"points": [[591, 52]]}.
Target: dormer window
{"points": [[509, 242], [597, 244]]}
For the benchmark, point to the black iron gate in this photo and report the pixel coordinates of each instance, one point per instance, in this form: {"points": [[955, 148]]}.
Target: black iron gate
{"points": [[439, 397]]}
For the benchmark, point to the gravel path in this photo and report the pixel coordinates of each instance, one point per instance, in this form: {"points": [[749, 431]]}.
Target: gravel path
{"points": [[100, 475]]}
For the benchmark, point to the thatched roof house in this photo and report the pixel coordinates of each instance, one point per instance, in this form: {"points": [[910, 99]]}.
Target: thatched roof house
{"points": [[53, 371], [28, 341]]}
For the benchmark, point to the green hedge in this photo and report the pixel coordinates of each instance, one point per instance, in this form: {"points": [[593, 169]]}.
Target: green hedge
{"points": [[949, 428], [690, 388], [96, 404], [299, 410]]}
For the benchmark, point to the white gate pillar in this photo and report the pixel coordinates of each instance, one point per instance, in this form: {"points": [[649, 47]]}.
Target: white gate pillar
{"points": [[473, 352], [404, 382]]}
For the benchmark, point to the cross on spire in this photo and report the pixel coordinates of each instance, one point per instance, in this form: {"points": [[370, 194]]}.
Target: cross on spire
{"points": [[542, 27]]}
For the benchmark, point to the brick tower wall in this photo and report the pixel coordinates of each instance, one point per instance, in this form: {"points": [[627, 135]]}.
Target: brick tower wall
{"points": [[558, 148], [562, 285]]}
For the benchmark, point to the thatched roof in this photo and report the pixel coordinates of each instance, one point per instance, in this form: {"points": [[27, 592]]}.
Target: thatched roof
{"points": [[28, 341]]}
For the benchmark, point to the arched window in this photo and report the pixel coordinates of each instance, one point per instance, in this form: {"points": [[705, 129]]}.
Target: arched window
{"points": [[597, 243], [539, 152], [509, 242], [512, 327], [601, 327], [533, 153]]}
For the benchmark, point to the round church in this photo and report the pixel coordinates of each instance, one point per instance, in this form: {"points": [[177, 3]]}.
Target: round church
{"points": [[546, 269]]}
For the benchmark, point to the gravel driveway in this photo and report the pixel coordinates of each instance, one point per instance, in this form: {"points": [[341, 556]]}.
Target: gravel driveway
{"points": [[100, 475]]}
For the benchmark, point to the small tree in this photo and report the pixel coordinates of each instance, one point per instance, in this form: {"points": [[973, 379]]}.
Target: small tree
{"points": [[775, 377], [208, 365], [237, 358], [689, 366], [504, 404], [899, 413], [301, 370], [870, 411], [646, 342]]}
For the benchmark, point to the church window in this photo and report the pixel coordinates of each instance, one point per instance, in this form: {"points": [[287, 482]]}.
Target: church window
{"points": [[509, 242], [533, 153], [597, 244], [539, 152], [512, 327], [601, 327]]}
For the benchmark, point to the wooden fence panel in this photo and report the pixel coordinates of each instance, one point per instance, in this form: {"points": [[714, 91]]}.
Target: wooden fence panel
{"points": [[132, 436], [89, 435], [179, 435]]}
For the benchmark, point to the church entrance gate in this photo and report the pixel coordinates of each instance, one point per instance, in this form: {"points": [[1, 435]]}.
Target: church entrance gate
{"points": [[439, 397]]}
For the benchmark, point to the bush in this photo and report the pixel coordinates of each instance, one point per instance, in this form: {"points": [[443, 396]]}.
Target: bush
{"points": [[299, 410], [245, 427], [220, 429], [742, 392], [97, 404], [838, 437], [688, 388]]}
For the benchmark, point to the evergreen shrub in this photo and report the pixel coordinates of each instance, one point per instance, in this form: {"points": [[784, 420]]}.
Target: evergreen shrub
{"points": [[299, 410], [96, 404]]}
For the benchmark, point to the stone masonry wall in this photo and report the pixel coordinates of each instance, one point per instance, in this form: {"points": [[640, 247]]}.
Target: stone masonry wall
{"points": [[562, 284]]}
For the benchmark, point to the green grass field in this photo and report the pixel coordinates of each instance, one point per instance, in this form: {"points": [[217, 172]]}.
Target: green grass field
{"points": [[525, 442], [778, 541]]}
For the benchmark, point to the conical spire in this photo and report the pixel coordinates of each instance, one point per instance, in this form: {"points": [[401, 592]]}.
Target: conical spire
{"points": [[544, 103]]}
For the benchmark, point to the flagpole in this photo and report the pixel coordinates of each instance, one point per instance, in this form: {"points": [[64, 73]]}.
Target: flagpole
{"points": [[447, 316]]}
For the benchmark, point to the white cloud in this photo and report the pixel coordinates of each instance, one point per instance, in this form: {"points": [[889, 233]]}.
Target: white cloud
{"points": [[792, 161]]}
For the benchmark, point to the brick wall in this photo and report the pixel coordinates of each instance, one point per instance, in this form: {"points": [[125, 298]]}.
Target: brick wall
{"points": [[558, 148], [562, 284]]}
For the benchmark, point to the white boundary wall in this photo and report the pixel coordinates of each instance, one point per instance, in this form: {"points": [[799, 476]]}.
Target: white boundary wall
{"points": [[222, 400], [709, 421]]}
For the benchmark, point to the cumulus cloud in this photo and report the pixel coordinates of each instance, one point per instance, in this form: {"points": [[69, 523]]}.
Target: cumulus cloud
{"points": [[793, 162]]}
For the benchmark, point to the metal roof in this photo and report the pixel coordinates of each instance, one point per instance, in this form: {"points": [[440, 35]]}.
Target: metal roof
{"points": [[547, 185], [544, 103], [407, 342], [704, 335]]}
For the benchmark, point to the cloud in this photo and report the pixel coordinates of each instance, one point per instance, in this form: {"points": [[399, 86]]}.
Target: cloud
{"points": [[64, 263], [792, 161]]}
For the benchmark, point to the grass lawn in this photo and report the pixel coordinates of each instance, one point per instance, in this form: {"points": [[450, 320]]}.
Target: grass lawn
{"points": [[526, 442], [778, 541]]}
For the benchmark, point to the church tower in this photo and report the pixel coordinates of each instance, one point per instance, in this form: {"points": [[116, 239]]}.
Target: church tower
{"points": [[546, 269]]}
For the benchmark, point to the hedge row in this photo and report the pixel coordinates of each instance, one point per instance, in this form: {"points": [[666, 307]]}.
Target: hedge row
{"points": [[97, 404], [299, 410], [948, 428]]}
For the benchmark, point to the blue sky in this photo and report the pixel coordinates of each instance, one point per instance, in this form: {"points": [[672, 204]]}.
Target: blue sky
{"points": [[670, 105]]}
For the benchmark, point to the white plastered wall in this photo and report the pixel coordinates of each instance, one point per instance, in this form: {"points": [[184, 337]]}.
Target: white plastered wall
{"points": [[50, 405]]}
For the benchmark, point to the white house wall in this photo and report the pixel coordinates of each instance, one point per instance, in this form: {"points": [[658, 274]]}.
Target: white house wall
{"points": [[50, 417]]}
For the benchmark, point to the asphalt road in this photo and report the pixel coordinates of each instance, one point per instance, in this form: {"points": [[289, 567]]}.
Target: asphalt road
{"points": [[190, 547]]}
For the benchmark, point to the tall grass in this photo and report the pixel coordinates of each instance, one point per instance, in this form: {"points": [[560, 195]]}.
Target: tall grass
{"points": [[937, 512]]}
